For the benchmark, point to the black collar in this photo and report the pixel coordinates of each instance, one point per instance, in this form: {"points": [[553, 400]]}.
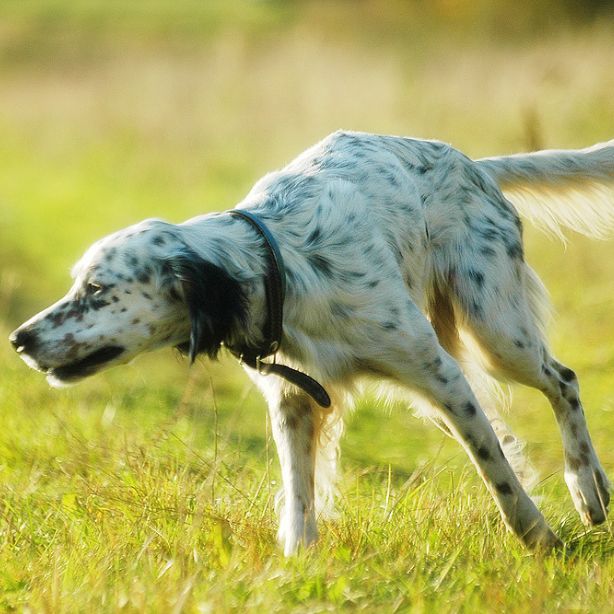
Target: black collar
{"points": [[275, 290]]}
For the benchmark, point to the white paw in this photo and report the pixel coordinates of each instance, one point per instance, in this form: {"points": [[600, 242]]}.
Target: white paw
{"points": [[589, 490], [296, 530]]}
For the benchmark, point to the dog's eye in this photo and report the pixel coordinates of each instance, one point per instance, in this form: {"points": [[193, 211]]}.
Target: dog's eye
{"points": [[93, 288]]}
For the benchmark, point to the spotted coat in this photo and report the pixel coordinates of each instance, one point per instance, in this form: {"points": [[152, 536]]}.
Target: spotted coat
{"points": [[400, 255]]}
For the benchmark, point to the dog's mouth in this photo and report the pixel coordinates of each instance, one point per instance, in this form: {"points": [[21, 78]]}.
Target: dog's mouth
{"points": [[86, 366]]}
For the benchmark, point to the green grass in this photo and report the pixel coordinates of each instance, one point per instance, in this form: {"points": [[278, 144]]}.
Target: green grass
{"points": [[146, 492], [151, 488]]}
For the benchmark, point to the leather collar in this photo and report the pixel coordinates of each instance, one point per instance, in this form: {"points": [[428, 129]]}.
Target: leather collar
{"points": [[275, 290]]}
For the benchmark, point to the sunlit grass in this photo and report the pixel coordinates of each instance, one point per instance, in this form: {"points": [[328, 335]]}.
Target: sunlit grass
{"points": [[116, 497], [151, 487]]}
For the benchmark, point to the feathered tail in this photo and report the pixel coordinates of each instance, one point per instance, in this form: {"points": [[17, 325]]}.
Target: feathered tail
{"points": [[560, 189]]}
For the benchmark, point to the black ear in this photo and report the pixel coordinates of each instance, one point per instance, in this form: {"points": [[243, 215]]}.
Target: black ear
{"points": [[216, 302]]}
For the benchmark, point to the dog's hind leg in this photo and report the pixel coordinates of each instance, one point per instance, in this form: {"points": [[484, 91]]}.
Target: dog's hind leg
{"points": [[411, 355], [585, 478], [508, 331], [488, 392]]}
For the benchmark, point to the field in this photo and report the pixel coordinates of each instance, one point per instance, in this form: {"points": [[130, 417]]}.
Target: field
{"points": [[152, 487]]}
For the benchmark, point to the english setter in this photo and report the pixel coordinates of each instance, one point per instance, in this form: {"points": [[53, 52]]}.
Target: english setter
{"points": [[395, 251]]}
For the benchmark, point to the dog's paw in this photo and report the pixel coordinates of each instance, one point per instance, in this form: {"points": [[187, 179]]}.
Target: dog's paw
{"points": [[590, 492], [296, 531], [539, 537]]}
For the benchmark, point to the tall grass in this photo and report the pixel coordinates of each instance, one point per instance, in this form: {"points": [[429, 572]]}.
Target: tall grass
{"points": [[152, 488]]}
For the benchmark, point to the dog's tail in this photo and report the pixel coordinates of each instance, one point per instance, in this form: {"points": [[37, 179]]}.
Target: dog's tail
{"points": [[565, 188]]}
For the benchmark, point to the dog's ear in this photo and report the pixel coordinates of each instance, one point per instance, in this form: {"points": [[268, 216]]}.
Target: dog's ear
{"points": [[215, 301]]}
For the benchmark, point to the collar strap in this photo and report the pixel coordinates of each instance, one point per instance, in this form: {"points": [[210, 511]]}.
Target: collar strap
{"points": [[275, 290], [274, 285]]}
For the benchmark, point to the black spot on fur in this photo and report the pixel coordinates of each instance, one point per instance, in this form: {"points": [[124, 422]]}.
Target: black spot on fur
{"points": [[320, 263], [490, 234], [504, 488], [573, 463], [470, 409], [477, 277], [349, 275], [131, 260], [567, 374], [314, 236], [483, 453], [603, 486], [476, 310], [97, 304], [514, 250]]}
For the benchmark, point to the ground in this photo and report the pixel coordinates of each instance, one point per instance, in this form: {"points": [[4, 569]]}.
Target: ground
{"points": [[151, 487]]}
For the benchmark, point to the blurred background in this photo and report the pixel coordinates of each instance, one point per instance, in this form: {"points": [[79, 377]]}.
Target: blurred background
{"points": [[114, 111], [147, 481]]}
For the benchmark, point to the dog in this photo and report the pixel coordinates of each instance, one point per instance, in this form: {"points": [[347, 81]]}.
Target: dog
{"points": [[368, 256]]}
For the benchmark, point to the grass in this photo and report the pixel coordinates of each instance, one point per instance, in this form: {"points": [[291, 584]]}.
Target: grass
{"points": [[134, 496], [151, 488]]}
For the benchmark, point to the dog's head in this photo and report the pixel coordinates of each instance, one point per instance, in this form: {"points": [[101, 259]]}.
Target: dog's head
{"points": [[136, 290]]}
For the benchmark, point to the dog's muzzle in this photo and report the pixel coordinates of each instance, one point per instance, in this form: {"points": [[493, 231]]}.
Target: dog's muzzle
{"points": [[27, 344]]}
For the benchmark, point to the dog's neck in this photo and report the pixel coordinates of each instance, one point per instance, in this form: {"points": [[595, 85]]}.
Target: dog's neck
{"points": [[235, 247], [243, 246]]}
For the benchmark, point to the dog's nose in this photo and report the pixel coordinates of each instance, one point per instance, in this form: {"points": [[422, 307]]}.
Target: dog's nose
{"points": [[23, 340]]}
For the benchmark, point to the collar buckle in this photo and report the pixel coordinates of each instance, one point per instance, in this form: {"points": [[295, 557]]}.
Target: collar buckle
{"points": [[264, 368]]}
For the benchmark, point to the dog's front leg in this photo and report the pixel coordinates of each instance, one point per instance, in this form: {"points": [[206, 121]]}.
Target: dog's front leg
{"points": [[292, 421]]}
